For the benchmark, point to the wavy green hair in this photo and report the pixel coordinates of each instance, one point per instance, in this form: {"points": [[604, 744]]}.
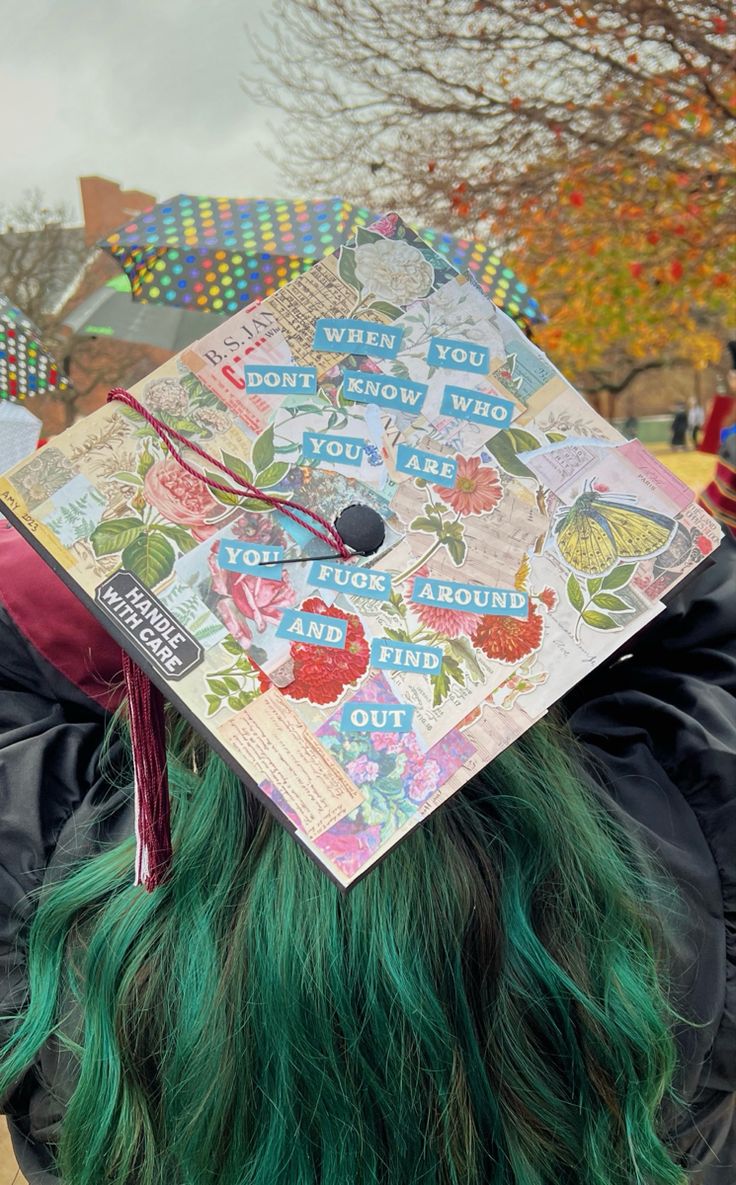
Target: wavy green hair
{"points": [[485, 1008]]}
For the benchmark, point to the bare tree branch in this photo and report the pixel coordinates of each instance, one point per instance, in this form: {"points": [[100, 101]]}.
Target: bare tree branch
{"points": [[442, 91], [598, 383], [40, 253], [40, 256], [488, 117]]}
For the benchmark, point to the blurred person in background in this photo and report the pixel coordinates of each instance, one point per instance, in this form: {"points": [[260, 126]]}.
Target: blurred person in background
{"points": [[678, 428], [719, 496], [695, 420]]}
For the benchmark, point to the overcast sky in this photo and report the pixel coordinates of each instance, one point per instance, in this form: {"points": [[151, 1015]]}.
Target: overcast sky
{"points": [[145, 92]]}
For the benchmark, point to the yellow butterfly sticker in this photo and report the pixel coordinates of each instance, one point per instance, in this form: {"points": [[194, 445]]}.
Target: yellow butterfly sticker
{"points": [[596, 532]]}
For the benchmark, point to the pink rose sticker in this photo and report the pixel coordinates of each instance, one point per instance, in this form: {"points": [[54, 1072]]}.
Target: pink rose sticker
{"points": [[247, 603], [182, 498]]}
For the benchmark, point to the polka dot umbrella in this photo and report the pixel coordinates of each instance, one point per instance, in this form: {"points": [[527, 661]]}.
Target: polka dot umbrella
{"points": [[489, 271], [26, 368], [217, 254]]}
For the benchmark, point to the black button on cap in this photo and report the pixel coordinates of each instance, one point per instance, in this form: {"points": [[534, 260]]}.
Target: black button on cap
{"points": [[361, 528]]}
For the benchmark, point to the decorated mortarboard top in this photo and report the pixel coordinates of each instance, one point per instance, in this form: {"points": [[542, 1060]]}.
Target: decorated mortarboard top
{"points": [[378, 404]]}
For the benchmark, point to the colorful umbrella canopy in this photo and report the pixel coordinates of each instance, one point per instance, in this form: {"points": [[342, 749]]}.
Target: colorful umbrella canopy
{"points": [[26, 368], [111, 312], [217, 254], [488, 269]]}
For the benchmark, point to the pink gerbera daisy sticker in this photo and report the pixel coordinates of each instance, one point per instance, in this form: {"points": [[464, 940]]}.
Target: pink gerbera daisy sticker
{"points": [[477, 488]]}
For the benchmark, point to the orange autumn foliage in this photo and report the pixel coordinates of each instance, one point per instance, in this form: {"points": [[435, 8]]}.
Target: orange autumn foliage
{"points": [[616, 290], [591, 140]]}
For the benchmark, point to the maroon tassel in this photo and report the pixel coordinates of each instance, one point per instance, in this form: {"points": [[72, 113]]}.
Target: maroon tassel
{"points": [[152, 808]]}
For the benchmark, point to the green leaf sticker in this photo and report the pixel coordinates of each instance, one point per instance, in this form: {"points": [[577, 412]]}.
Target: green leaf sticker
{"points": [[272, 475], [594, 585], [386, 309], [462, 649], [187, 426], [620, 576], [457, 550], [397, 602], [366, 236], [575, 593], [220, 495], [145, 461], [523, 442], [149, 557], [441, 686], [397, 635], [452, 537], [424, 524], [610, 601], [255, 506], [502, 447], [131, 479], [555, 437], [599, 621], [231, 646], [453, 669], [181, 537], [239, 466], [346, 267], [115, 534], [263, 450], [399, 369]]}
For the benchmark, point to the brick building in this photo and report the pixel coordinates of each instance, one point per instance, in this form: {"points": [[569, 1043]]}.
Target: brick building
{"points": [[48, 269], [97, 364]]}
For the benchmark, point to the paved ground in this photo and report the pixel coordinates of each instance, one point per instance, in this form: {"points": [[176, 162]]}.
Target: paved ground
{"points": [[694, 468], [9, 1173]]}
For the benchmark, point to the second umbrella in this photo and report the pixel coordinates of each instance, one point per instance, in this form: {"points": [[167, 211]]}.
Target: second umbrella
{"points": [[218, 254], [112, 312]]}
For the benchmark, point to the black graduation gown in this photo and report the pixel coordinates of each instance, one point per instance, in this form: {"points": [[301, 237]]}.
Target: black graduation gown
{"points": [[659, 725]]}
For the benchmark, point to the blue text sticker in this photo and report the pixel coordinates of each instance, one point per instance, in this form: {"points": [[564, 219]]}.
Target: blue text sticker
{"points": [[441, 471], [388, 655], [471, 598], [346, 578], [455, 355], [364, 717], [464, 404], [344, 335], [340, 450], [312, 628], [280, 380], [385, 390], [236, 556]]}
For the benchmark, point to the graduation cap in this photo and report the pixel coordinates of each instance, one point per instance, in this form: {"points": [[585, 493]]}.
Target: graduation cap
{"points": [[362, 536]]}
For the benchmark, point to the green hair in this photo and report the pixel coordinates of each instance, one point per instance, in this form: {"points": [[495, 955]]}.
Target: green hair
{"points": [[485, 1008]]}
